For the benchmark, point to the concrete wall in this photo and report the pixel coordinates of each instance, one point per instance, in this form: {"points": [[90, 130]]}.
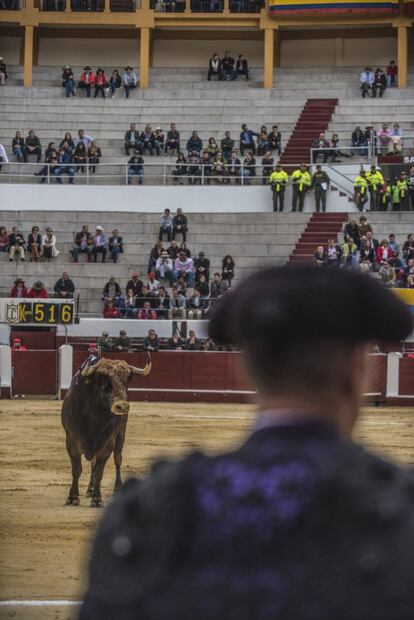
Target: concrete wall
{"points": [[10, 49], [171, 53], [107, 52]]}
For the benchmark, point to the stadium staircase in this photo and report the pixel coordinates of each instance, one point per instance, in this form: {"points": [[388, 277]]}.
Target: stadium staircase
{"points": [[320, 228], [315, 118]]}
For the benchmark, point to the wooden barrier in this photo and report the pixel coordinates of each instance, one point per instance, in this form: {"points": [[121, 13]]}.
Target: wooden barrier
{"points": [[406, 377], [35, 372]]}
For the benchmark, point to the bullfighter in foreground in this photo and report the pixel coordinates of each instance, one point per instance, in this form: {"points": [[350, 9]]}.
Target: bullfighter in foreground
{"points": [[299, 523], [95, 416]]}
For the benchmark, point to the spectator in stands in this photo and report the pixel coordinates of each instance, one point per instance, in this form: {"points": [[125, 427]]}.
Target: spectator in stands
{"points": [[63, 165], [111, 290], [267, 167], [301, 182], [162, 303], [17, 244], [166, 225], [159, 141], [380, 83], [177, 304], [100, 244], [175, 343], [227, 145], [94, 155], [387, 274], [192, 343], [153, 284], [164, 267], [335, 151], [227, 67], [129, 305], [395, 144], [173, 250], [123, 343], [180, 169], [151, 342], [202, 267], [242, 66], [146, 312], [32, 146], [333, 254], [79, 157], [234, 167], [131, 138], [371, 137], [129, 80], [83, 243], [384, 252], [392, 72], [110, 311], [38, 291], [247, 140], [320, 146], [154, 255], [372, 241], [263, 142], [172, 143], [146, 141], [351, 230], [51, 161], [275, 140], [349, 254], [183, 248], [18, 346], [135, 284], [214, 68], [136, 168], [359, 142], [364, 226], [84, 138], [319, 256], [202, 286], [64, 287], [320, 185], [227, 269], [105, 343], [218, 286], [366, 256], [19, 289], [194, 169], [67, 142], [393, 243], [49, 249], [116, 245], [196, 305], [384, 138], [18, 146], [3, 156], [86, 80], [4, 240], [68, 81], [3, 72], [184, 267], [249, 168], [366, 80], [205, 168], [212, 147], [179, 225], [115, 82], [194, 144], [34, 244]]}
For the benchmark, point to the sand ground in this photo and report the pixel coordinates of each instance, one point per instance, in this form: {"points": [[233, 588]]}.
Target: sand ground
{"points": [[45, 545]]}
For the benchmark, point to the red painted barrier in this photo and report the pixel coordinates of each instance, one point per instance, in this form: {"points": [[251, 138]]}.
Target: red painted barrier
{"points": [[34, 372], [407, 377]]}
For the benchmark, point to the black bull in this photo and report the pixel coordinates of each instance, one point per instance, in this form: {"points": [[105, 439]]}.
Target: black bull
{"points": [[95, 416]]}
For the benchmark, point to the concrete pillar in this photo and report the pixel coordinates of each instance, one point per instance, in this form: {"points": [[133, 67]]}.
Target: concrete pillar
{"points": [[28, 55], [269, 51], [393, 374], [402, 59], [5, 371], [65, 368], [144, 58]]}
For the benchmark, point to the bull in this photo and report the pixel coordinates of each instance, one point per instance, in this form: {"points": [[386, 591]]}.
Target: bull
{"points": [[94, 416]]}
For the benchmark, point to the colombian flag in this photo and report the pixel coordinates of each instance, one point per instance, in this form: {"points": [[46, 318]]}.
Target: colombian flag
{"points": [[327, 7]]}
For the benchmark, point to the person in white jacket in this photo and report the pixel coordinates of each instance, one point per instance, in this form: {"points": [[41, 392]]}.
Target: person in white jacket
{"points": [[3, 156], [49, 249]]}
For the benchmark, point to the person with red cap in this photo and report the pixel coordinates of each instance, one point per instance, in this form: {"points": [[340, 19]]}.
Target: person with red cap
{"points": [[17, 345]]}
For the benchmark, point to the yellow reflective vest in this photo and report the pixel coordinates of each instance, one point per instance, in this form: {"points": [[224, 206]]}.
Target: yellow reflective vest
{"points": [[278, 180], [301, 179], [361, 184], [375, 179]]}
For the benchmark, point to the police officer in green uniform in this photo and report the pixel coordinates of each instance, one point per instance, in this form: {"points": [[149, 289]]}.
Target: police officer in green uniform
{"points": [[385, 196], [320, 185], [278, 181], [301, 182], [297, 523], [375, 183], [361, 190], [403, 191]]}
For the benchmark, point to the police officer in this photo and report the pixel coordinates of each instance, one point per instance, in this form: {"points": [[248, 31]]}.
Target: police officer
{"points": [[301, 182], [361, 190], [403, 190], [278, 181], [320, 185], [375, 183], [385, 196], [298, 523]]}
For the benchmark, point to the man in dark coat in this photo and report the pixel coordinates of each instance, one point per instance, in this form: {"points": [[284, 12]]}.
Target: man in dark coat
{"points": [[299, 523]]}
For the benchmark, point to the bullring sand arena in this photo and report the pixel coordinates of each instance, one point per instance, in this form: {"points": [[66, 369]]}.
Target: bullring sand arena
{"points": [[45, 545]]}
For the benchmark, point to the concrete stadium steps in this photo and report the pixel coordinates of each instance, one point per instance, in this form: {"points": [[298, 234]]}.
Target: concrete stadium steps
{"points": [[400, 223], [320, 228], [253, 239]]}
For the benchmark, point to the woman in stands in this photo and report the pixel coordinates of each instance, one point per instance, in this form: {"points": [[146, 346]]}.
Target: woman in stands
{"points": [[366, 256], [4, 240], [49, 249], [263, 142], [185, 249], [17, 146], [67, 142], [249, 168], [227, 269], [130, 308], [180, 169], [68, 81], [100, 83], [212, 147], [34, 244], [87, 80], [115, 82], [94, 155], [218, 168], [80, 157]]}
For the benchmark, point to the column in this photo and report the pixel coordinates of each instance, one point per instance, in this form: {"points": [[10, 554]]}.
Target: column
{"points": [[144, 58], [402, 59], [28, 55], [269, 50]]}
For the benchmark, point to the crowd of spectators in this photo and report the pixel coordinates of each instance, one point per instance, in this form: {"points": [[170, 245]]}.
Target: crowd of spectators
{"points": [[227, 68], [391, 261], [64, 288], [375, 83], [39, 247], [153, 343], [395, 194], [98, 82], [97, 244]]}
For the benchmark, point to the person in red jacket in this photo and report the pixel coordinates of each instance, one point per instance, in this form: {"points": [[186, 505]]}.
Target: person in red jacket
{"points": [[19, 289], [38, 290], [87, 80], [100, 83], [384, 252], [147, 312], [110, 312], [17, 345]]}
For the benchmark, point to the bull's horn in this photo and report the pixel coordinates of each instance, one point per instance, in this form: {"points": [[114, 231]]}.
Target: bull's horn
{"points": [[141, 371], [88, 371]]}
